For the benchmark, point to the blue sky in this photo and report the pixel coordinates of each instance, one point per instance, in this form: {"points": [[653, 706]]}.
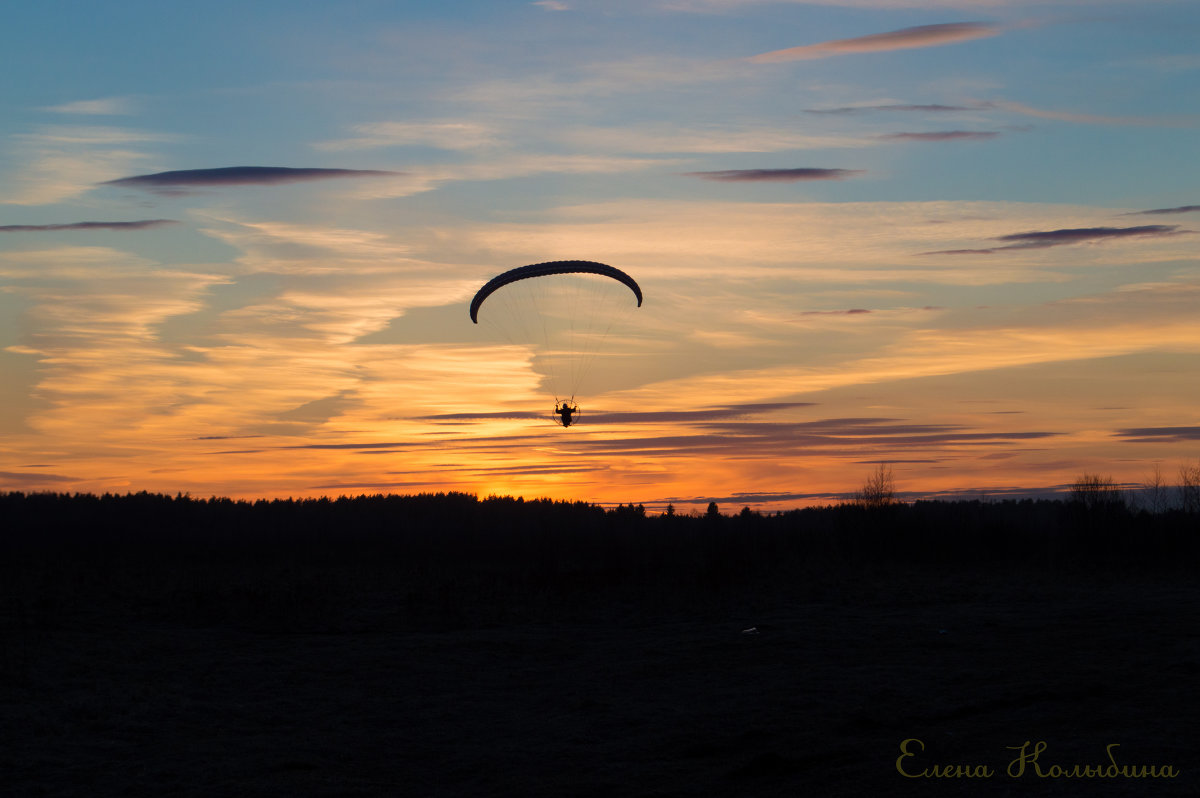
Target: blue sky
{"points": [[921, 225]]}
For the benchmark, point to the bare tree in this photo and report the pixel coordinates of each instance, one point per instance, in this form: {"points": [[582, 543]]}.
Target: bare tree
{"points": [[1189, 487], [880, 488], [1155, 491], [1093, 490]]}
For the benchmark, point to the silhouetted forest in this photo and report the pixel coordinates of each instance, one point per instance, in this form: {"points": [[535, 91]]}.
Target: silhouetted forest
{"points": [[454, 558], [443, 644]]}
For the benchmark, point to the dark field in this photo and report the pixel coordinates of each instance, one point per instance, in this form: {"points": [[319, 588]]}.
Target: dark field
{"points": [[443, 646]]}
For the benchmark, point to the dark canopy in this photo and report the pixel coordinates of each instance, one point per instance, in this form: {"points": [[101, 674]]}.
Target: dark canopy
{"points": [[552, 267]]}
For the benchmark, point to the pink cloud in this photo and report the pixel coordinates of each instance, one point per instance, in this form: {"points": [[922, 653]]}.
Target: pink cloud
{"points": [[1179, 209], [1091, 119], [1041, 239], [776, 175], [943, 135], [904, 39]]}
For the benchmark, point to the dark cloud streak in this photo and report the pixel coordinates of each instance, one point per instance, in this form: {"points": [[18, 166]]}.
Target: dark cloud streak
{"points": [[858, 109], [771, 439], [1163, 211], [903, 39], [238, 176], [718, 432], [662, 416], [943, 135], [141, 224], [26, 478], [850, 312], [1160, 434], [775, 175], [522, 415], [769, 445], [958, 494], [1042, 239], [1054, 238], [362, 485]]}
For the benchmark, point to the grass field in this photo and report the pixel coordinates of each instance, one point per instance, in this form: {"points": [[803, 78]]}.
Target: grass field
{"points": [[315, 651]]}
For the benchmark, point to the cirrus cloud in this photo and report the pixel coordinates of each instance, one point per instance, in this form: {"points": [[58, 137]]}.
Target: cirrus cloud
{"points": [[177, 180], [442, 135], [858, 109], [1164, 211], [943, 135], [1041, 239], [775, 175], [1159, 434], [108, 106], [903, 39], [61, 161], [141, 224]]}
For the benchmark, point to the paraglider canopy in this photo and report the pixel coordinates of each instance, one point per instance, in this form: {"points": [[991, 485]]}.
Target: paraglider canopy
{"points": [[564, 310], [552, 267]]}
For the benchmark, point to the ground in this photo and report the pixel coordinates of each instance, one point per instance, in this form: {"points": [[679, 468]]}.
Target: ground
{"points": [[623, 693]]}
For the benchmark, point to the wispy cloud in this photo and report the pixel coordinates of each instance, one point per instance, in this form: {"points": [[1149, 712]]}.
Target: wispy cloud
{"points": [[239, 176], [506, 415], [903, 39], [689, 239], [318, 411], [850, 312], [859, 109], [403, 184], [1166, 211], [92, 321], [776, 175], [1041, 239], [108, 106], [943, 135], [25, 479], [141, 224], [1092, 119], [720, 6], [525, 470], [337, 284], [1054, 238], [1173, 63], [551, 5], [133, 353], [442, 135], [1160, 434], [581, 83], [91, 135], [774, 439], [339, 488], [1153, 318], [292, 247], [61, 161], [708, 432], [665, 138], [651, 417], [1010, 107]]}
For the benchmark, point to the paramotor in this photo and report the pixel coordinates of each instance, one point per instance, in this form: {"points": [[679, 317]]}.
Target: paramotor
{"points": [[564, 310]]}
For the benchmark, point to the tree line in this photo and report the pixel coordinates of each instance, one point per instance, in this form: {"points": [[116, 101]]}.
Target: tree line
{"points": [[463, 523], [446, 559]]}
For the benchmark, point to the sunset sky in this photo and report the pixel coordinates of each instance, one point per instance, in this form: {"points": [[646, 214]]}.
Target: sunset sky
{"points": [[238, 242]]}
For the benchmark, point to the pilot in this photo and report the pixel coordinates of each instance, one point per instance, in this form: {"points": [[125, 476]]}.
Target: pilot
{"points": [[565, 410]]}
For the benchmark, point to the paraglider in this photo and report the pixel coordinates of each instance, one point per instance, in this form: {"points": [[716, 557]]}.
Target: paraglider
{"points": [[565, 411], [565, 309], [550, 268]]}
